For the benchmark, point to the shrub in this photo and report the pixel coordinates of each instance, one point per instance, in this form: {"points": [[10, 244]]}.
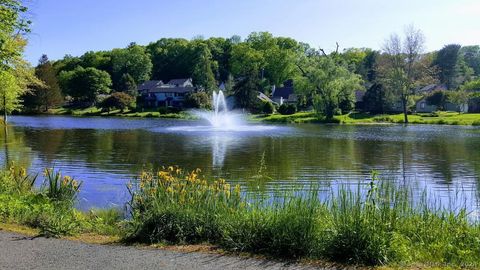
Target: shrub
{"points": [[167, 110], [198, 100], [287, 109], [118, 100], [268, 108]]}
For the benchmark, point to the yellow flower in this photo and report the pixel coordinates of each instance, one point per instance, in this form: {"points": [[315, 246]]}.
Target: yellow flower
{"points": [[169, 190], [23, 172]]}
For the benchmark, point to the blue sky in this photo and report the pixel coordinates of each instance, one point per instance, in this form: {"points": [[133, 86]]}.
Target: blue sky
{"points": [[74, 27]]}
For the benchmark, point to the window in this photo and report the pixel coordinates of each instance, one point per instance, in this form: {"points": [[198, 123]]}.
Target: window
{"points": [[422, 105]]}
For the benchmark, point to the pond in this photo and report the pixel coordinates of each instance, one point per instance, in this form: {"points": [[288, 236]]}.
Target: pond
{"points": [[105, 153]]}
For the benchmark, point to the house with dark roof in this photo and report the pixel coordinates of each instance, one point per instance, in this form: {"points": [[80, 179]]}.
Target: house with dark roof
{"points": [[285, 94], [181, 82], [172, 94]]}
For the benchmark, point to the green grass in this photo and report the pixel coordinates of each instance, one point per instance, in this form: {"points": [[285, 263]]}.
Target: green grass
{"points": [[378, 227], [442, 118], [94, 111]]}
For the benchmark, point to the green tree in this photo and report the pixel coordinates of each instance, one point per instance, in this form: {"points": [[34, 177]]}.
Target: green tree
{"points": [[279, 56], [15, 73], [459, 97], [329, 83], [10, 93], [101, 60], [84, 84], [246, 60], [471, 85], [203, 71], [198, 100], [171, 58], [246, 92], [267, 107], [377, 99], [471, 56], [447, 62], [127, 85], [49, 94], [133, 60]]}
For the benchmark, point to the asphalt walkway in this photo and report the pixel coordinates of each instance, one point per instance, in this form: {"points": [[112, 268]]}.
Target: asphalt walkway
{"points": [[22, 252]]}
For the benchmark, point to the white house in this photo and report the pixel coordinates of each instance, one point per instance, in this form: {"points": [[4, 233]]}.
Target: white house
{"points": [[156, 93]]}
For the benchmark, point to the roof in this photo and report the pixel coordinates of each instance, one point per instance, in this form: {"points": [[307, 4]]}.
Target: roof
{"points": [[149, 85], [172, 90], [432, 87], [284, 92], [178, 81]]}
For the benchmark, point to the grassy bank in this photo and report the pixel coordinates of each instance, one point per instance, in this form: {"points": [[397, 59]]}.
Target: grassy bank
{"points": [[442, 118], [94, 111], [380, 226], [50, 208]]}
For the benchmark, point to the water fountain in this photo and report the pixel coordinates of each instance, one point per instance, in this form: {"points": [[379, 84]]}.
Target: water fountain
{"points": [[221, 119]]}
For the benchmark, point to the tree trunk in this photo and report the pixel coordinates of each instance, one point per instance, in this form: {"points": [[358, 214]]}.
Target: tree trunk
{"points": [[405, 115], [7, 155], [5, 110]]}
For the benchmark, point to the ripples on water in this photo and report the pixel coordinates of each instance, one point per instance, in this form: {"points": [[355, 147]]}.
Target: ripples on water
{"points": [[107, 152]]}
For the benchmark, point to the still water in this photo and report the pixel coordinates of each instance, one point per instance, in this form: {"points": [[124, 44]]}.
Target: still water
{"points": [[105, 153]]}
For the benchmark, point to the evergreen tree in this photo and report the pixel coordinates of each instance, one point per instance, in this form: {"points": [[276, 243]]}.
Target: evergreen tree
{"points": [[49, 94], [203, 74], [127, 85]]}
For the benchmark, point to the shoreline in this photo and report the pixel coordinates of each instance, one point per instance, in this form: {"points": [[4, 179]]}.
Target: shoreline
{"points": [[438, 118]]}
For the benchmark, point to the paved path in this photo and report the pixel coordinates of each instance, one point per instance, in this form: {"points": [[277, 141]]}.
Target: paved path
{"points": [[21, 252]]}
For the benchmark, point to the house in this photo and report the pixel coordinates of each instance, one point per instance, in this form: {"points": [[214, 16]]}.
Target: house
{"points": [[181, 82], [359, 102], [156, 93], [430, 88], [422, 106], [285, 94]]}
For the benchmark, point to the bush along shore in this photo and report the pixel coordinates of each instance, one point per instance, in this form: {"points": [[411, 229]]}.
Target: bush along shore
{"points": [[436, 118], [380, 226], [94, 111]]}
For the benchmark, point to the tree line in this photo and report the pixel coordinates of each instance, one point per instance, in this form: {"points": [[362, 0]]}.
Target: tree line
{"points": [[324, 81]]}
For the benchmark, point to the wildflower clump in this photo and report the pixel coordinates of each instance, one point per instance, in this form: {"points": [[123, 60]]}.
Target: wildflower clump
{"points": [[175, 205], [59, 188]]}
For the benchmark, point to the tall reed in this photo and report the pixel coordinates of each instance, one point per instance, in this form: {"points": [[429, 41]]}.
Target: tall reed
{"points": [[373, 225]]}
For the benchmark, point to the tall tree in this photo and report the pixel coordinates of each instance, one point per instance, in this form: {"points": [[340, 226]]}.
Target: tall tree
{"points": [[402, 69], [471, 56], [127, 85], [447, 62], [330, 83], [203, 71], [85, 84], [171, 59], [133, 60], [15, 73], [49, 94], [246, 91]]}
